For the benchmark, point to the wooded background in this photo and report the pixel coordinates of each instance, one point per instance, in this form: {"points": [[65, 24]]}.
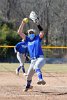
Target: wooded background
{"points": [[52, 14]]}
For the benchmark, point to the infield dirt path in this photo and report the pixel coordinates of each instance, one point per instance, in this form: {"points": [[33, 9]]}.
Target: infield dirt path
{"points": [[11, 87]]}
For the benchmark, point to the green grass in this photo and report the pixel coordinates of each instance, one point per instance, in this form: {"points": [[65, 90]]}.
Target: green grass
{"points": [[47, 68], [55, 68]]}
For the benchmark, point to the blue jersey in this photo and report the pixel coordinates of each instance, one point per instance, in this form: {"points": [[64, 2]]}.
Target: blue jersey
{"points": [[21, 47], [34, 47]]}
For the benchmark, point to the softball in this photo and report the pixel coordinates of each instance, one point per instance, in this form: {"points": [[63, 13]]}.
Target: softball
{"points": [[26, 20]]}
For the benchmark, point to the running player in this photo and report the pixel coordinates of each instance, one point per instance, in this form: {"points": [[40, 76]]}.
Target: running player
{"points": [[21, 51]]}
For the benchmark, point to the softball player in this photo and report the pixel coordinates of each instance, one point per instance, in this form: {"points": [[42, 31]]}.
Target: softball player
{"points": [[21, 51], [35, 51]]}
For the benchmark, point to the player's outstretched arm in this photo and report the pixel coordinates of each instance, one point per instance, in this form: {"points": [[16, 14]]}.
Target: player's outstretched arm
{"points": [[41, 34], [33, 16], [21, 27]]}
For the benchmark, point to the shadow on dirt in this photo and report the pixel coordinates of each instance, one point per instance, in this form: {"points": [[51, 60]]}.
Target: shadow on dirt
{"points": [[49, 93]]}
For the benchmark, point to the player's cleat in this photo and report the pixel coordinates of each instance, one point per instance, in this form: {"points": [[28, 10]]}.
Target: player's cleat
{"points": [[17, 73], [27, 88], [24, 74], [41, 82]]}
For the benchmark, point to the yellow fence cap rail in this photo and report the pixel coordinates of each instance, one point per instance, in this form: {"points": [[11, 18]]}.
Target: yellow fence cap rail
{"points": [[44, 47], [6, 46], [54, 47]]}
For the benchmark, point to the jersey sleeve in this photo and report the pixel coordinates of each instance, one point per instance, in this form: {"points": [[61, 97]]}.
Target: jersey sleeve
{"points": [[40, 39]]}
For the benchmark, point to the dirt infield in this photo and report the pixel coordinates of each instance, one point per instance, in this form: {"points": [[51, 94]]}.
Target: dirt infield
{"points": [[11, 87]]}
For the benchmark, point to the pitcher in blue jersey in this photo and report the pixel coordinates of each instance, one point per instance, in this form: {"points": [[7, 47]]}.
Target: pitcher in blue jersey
{"points": [[21, 52], [36, 53]]}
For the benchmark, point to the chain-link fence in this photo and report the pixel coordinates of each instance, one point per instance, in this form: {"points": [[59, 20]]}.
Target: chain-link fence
{"points": [[52, 54]]}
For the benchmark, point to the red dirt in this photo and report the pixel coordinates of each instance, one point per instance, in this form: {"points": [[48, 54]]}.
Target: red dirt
{"points": [[11, 87]]}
